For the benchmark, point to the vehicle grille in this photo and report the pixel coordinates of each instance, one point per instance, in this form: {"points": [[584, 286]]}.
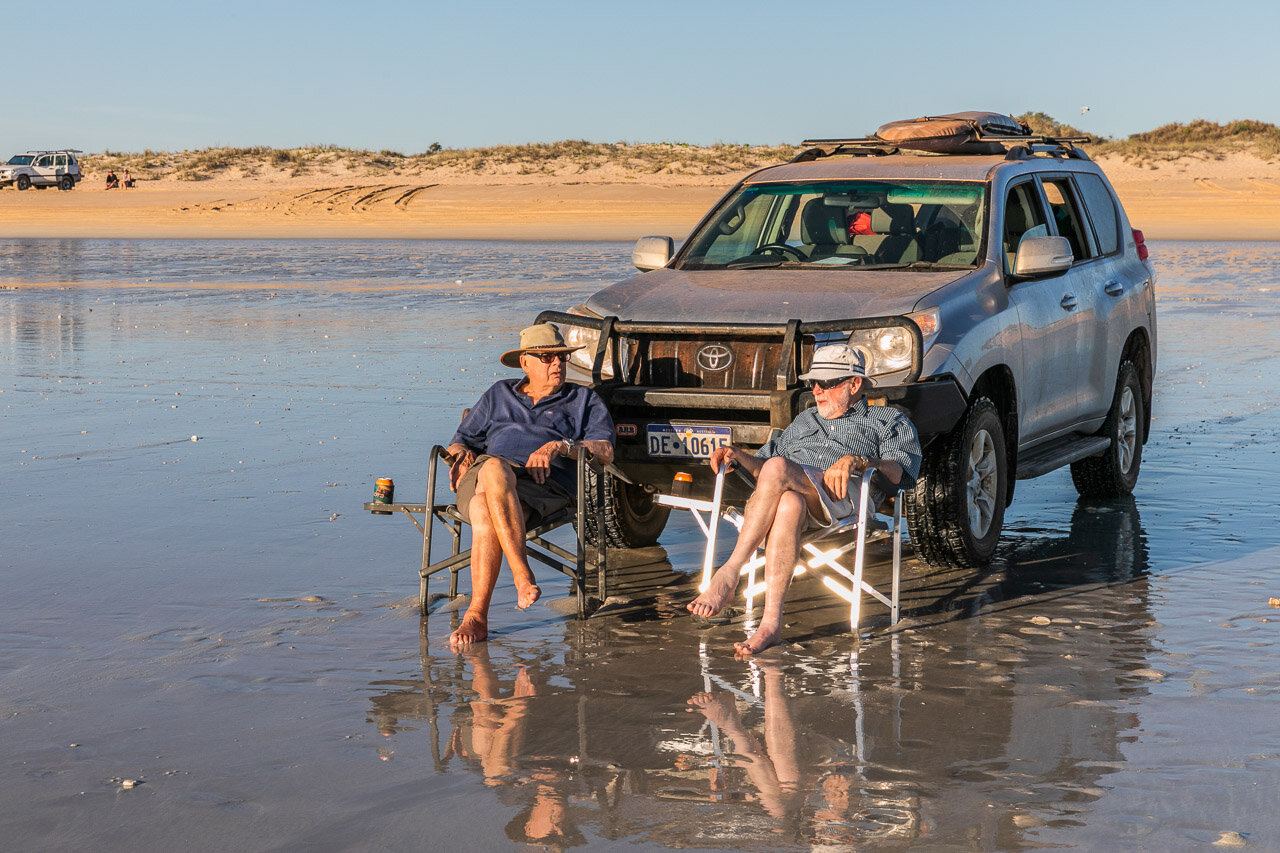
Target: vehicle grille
{"points": [[676, 364]]}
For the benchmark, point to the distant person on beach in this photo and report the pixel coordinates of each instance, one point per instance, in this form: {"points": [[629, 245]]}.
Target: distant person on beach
{"points": [[113, 182], [128, 180], [803, 479], [510, 465]]}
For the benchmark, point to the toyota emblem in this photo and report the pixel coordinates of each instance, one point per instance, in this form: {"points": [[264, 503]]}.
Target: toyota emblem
{"points": [[715, 357]]}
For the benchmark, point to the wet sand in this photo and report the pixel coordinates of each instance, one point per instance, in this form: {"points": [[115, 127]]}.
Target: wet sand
{"points": [[220, 621]]}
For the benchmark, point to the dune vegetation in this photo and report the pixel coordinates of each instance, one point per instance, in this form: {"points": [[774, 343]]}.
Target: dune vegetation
{"points": [[578, 159]]}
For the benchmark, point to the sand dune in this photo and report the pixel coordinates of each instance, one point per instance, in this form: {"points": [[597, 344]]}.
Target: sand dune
{"points": [[1235, 197]]}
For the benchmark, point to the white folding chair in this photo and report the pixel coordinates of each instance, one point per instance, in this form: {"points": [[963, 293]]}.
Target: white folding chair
{"points": [[823, 548]]}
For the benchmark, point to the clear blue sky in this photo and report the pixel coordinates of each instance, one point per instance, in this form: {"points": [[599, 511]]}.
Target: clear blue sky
{"points": [[131, 75]]}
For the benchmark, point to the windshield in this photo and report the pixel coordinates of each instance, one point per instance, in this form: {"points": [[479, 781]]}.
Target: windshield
{"points": [[881, 224], [21, 160]]}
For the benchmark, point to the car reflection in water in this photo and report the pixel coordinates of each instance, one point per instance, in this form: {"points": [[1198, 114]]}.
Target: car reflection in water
{"points": [[997, 709]]}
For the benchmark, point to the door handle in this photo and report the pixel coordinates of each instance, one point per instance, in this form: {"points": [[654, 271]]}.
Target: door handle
{"points": [[1069, 301], [1113, 288]]}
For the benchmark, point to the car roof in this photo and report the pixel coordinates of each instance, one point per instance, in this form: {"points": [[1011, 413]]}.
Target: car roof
{"points": [[946, 167]]}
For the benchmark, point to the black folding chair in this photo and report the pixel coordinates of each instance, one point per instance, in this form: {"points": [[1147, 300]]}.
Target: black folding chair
{"points": [[577, 566]]}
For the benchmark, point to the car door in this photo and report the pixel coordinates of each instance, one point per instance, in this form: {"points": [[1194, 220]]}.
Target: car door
{"points": [[1119, 289], [42, 170], [1047, 321]]}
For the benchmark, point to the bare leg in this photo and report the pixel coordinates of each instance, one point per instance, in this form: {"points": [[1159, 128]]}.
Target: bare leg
{"points": [[777, 477], [497, 528], [780, 553]]}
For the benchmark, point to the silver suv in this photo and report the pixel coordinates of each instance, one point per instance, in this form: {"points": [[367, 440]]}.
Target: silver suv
{"points": [[1003, 300], [42, 169]]}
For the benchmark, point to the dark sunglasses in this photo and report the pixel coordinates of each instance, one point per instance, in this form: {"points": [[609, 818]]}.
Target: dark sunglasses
{"points": [[828, 384], [550, 357]]}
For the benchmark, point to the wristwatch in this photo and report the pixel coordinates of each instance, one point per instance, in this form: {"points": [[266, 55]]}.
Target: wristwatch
{"points": [[569, 445]]}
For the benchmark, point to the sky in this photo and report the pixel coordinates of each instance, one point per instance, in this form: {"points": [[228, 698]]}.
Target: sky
{"points": [[131, 75]]}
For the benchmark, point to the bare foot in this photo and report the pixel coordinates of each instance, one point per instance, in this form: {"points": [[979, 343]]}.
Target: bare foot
{"points": [[757, 642], [474, 629], [527, 595], [716, 707], [721, 589]]}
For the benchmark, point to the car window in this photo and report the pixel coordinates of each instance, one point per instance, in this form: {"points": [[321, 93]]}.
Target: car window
{"points": [[1101, 208], [844, 224], [60, 160], [21, 160], [44, 161], [1066, 216], [1022, 213]]}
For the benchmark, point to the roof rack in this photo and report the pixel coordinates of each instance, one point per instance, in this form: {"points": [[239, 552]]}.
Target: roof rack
{"points": [[1017, 147]]}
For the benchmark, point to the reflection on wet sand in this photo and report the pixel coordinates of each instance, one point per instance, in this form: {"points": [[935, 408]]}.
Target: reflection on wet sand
{"points": [[961, 733]]}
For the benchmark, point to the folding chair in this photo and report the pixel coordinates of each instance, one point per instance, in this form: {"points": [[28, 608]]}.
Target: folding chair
{"points": [[823, 548], [575, 565]]}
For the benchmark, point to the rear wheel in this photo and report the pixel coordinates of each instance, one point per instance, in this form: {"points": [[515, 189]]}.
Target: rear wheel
{"points": [[956, 510], [631, 517], [66, 182], [1114, 472], [24, 182]]}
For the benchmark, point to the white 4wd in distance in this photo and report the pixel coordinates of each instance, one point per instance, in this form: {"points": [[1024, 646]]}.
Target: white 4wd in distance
{"points": [[42, 169]]}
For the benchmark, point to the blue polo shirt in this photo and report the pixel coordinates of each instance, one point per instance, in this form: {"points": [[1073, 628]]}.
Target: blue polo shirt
{"points": [[508, 423]]}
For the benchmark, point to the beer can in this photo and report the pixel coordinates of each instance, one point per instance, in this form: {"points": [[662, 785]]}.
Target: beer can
{"points": [[384, 492]]}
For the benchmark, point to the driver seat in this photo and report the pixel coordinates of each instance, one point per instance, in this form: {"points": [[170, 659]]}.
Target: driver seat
{"points": [[822, 228]]}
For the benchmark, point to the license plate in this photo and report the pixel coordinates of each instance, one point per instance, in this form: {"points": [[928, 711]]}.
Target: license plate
{"points": [[686, 441]]}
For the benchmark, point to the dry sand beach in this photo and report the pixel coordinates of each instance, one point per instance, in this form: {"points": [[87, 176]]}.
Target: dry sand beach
{"points": [[1233, 196]]}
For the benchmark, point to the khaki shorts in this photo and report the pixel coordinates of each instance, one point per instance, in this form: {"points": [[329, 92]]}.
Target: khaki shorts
{"points": [[833, 508], [542, 500]]}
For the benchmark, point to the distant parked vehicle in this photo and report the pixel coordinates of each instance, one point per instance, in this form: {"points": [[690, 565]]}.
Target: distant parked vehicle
{"points": [[42, 169]]}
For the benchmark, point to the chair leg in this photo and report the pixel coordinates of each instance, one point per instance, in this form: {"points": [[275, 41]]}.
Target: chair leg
{"points": [[713, 524]]}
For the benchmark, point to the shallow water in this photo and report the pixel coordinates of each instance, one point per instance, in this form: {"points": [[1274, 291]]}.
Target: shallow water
{"points": [[220, 619]]}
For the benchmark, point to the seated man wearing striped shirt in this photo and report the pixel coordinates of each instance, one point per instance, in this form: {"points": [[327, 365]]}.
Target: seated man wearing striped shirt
{"points": [[803, 479]]}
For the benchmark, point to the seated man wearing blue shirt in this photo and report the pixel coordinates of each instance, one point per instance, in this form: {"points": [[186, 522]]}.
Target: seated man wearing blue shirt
{"points": [[510, 465], [803, 477]]}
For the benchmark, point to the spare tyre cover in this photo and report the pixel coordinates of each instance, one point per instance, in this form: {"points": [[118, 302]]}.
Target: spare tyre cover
{"points": [[955, 133]]}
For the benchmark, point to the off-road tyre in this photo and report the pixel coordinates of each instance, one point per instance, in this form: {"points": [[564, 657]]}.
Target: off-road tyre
{"points": [[1114, 472], [23, 183], [631, 518], [956, 510], [66, 182]]}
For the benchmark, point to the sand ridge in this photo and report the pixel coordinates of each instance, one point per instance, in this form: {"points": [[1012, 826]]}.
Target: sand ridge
{"points": [[1235, 196]]}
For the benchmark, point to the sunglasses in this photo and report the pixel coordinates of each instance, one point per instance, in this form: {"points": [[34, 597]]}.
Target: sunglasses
{"points": [[549, 357], [828, 384]]}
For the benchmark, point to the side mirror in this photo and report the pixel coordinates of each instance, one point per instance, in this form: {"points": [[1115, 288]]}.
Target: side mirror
{"points": [[652, 253], [1042, 256]]}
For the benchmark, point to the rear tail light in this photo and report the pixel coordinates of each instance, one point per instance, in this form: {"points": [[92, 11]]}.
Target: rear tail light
{"points": [[1141, 244]]}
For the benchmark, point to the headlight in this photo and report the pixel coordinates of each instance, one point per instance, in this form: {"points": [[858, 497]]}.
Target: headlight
{"points": [[588, 339], [889, 350]]}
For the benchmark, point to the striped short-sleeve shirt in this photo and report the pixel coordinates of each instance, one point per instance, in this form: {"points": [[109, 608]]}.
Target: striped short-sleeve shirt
{"points": [[880, 432]]}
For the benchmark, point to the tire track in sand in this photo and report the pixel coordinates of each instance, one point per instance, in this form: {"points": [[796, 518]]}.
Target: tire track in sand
{"points": [[1205, 183], [1265, 186]]}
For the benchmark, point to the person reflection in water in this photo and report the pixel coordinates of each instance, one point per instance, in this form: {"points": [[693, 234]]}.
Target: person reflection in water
{"points": [[773, 767], [495, 735]]}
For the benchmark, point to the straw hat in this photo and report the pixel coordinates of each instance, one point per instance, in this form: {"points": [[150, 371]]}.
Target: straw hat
{"points": [[541, 338]]}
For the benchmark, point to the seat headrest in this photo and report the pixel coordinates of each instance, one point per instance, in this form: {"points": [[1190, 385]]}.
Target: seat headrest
{"points": [[893, 219], [823, 224]]}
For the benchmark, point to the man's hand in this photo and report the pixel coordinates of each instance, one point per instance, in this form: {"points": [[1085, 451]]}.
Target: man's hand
{"points": [[461, 458], [539, 463], [836, 478], [727, 455]]}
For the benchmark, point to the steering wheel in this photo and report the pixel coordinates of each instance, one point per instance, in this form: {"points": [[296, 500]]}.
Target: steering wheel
{"points": [[781, 249]]}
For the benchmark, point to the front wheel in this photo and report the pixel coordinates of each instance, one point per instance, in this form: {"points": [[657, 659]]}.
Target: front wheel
{"points": [[631, 517], [1114, 472], [956, 510], [24, 182]]}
